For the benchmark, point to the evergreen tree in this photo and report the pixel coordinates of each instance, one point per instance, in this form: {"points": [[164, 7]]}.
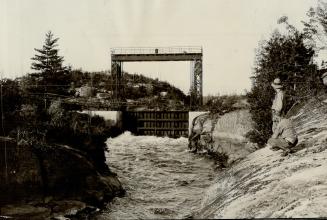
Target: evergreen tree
{"points": [[315, 26], [49, 66]]}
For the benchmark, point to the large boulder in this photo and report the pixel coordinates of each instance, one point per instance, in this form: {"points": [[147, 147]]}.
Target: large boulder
{"points": [[43, 174], [223, 136], [67, 173]]}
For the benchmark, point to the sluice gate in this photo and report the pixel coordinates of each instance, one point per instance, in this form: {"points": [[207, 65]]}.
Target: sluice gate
{"points": [[157, 123]]}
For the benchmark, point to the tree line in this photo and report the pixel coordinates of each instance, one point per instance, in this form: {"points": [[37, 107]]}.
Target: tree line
{"points": [[52, 81]]}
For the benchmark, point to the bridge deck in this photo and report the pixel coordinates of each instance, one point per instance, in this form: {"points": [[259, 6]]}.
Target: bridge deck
{"points": [[155, 57]]}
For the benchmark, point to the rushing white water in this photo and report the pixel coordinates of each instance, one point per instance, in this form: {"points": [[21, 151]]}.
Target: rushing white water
{"points": [[161, 177]]}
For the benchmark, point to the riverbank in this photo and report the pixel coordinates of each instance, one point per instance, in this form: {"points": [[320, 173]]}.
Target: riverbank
{"points": [[52, 182], [266, 185], [53, 165]]}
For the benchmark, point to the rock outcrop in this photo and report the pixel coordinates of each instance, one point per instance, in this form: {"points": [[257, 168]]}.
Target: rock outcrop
{"points": [[34, 178], [223, 136], [266, 185]]}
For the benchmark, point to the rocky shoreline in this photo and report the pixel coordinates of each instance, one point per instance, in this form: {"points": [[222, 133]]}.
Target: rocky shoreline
{"points": [[266, 185], [53, 182]]}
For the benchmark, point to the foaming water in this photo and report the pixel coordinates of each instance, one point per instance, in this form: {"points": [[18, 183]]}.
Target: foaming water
{"points": [[161, 177]]}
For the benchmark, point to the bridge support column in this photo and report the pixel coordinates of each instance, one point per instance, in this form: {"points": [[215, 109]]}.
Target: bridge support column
{"points": [[196, 93], [117, 86]]}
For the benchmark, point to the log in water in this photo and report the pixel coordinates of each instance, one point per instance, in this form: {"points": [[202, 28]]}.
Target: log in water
{"points": [[161, 177]]}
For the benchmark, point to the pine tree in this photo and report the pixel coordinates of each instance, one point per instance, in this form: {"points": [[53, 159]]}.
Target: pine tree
{"points": [[49, 66]]}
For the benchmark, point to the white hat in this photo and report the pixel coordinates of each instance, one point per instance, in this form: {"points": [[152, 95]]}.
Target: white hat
{"points": [[277, 84]]}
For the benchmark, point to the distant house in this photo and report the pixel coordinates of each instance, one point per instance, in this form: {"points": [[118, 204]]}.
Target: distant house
{"points": [[84, 91], [163, 94], [147, 86]]}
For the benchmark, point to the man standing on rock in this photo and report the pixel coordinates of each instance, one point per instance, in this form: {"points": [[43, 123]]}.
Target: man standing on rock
{"points": [[278, 103], [284, 137]]}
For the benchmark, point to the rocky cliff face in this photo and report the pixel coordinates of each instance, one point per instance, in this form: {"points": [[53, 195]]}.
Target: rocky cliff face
{"points": [[223, 136], [266, 185], [34, 178]]}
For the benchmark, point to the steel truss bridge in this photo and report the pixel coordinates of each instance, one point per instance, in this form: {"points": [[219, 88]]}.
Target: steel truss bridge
{"points": [[148, 54]]}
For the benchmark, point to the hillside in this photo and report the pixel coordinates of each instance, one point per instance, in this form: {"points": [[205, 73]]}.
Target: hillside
{"points": [[137, 89], [266, 185]]}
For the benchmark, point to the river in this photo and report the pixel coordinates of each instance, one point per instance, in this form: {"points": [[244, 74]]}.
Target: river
{"points": [[162, 178]]}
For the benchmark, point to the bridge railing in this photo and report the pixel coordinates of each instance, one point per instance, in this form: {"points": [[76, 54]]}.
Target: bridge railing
{"points": [[156, 50]]}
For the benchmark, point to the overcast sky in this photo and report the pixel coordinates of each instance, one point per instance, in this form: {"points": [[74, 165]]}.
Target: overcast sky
{"points": [[228, 30]]}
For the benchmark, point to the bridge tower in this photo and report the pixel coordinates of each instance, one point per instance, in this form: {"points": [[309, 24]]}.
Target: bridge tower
{"points": [[117, 84], [196, 93]]}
